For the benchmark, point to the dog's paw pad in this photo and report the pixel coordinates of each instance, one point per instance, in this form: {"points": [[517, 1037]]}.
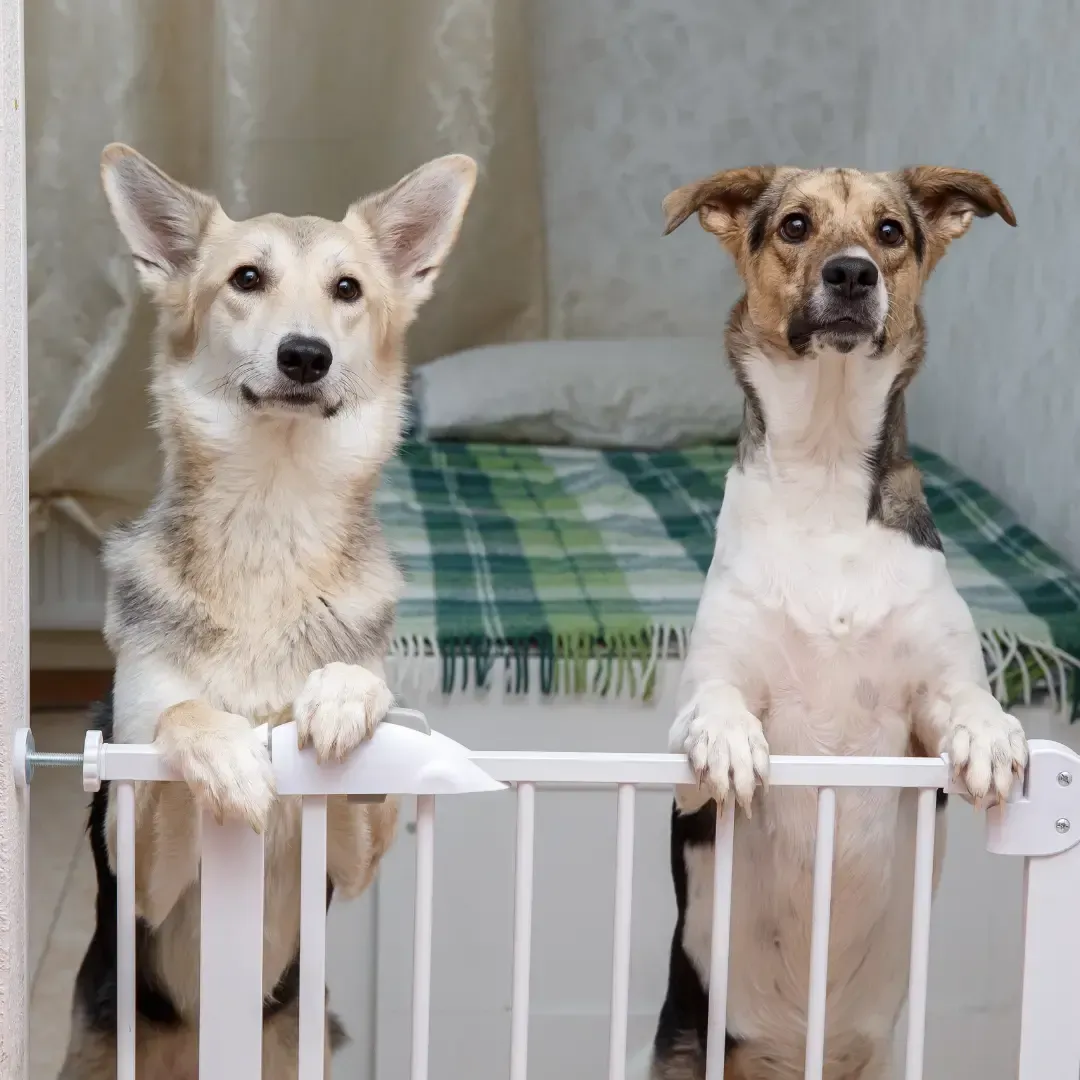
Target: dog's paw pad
{"points": [[338, 708]]}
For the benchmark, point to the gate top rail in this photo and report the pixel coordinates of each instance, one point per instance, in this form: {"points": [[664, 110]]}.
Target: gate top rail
{"points": [[404, 757]]}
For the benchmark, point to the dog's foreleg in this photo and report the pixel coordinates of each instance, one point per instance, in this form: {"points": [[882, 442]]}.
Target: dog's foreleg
{"points": [[358, 834], [225, 765], [338, 709], [715, 726], [958, 715]]}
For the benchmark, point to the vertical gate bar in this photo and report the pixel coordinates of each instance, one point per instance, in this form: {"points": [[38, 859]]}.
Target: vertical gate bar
{"points": [[1049, 1031], [313, 936], [620, 957], [920, 932], [425, 891], [819, 934], [231, 953], [125, 930], [523, 901], [719, 950]]}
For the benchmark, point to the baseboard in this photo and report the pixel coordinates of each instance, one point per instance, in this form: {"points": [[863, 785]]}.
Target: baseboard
{"points": [[54, 690], [69, 651]]}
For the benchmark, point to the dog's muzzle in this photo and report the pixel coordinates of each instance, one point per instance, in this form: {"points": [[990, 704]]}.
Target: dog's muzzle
{"points": [[846, 306]]}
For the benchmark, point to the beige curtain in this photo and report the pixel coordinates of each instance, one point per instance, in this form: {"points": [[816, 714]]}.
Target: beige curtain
{"points": [[272, 105]]}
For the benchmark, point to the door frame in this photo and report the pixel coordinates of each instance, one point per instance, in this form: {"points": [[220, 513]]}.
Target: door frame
{"points": [[14, 492]]}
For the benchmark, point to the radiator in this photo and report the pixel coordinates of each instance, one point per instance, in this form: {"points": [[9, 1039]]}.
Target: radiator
{"points": [[67, 583]]}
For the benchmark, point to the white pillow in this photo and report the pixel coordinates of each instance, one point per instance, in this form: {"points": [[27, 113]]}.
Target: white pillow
{"points": [[645, 394]]}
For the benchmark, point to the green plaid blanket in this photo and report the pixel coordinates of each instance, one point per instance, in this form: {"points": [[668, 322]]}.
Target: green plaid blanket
{"points": [[594, 563]]}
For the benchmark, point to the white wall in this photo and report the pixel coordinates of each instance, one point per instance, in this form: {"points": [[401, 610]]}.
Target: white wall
{"points": [[638, 96]]}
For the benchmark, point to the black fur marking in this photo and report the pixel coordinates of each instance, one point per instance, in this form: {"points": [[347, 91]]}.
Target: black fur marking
{"points": [[918, 235], [800, 333], [760, 214], [752, 430], [683, 1027], [95, 983], [758, 221], [890, 453]]}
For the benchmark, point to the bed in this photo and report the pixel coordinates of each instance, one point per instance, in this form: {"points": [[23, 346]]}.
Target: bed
{"points": [[583, 568]]}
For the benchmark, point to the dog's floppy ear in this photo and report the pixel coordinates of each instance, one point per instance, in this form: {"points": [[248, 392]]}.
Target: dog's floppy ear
{"points": [[950, 198], [161, 220], [722, 202], [417, 220]]}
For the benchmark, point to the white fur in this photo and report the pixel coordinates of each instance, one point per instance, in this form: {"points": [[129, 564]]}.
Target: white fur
{"points": [[820, 632]]}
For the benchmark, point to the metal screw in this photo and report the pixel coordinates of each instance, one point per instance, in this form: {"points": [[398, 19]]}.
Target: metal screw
{"points": [[1064, 778], [40, 760], [1062, 825], [48, 761]]}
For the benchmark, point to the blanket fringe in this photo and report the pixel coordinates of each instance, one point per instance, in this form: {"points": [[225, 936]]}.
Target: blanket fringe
{"points": [[1021, 670], [619, 665]]}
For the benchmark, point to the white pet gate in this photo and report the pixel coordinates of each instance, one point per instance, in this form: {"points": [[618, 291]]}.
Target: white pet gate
{"points": [[1041, 824]]}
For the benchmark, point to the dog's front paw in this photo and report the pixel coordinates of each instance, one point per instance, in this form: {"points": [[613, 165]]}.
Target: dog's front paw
{"points": [[729, 755], [986, 746], [339, 708], [222, 760]]}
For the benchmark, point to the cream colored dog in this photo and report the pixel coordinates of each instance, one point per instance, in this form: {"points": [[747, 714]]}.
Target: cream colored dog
{"points": [[257, 587]]}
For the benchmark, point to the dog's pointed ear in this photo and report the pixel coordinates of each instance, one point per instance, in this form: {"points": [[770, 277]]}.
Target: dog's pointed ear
{"points": [[722, 202], [416, 221], [950, 198], [161, 220]]}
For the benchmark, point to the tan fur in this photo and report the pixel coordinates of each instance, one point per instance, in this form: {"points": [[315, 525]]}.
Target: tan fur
{"points": [[258, 589], [745, 209], [845, 206], [858, 1060]]}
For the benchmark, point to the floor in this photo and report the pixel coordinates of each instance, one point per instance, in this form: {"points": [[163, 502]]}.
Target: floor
{"points": [[61, 891]]}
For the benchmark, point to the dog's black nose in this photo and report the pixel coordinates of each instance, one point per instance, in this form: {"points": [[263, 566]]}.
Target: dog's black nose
{"points": [[304, 359], [850, 275]]}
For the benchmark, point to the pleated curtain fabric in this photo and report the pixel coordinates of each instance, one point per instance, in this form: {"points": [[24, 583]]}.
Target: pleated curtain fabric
{"points": [[271, 105]]}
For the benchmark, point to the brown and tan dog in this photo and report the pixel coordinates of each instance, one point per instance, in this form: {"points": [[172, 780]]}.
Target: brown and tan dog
{"points": [[829, 623]]}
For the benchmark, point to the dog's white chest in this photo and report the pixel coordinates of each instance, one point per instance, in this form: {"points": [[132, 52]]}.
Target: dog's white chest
{"points": [[832, 632], [836, 577]]}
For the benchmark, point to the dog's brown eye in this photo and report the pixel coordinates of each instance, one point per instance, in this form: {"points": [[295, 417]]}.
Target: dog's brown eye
{"points": [[891, 233], [347, 289], [246, 279], [795, 228]]}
